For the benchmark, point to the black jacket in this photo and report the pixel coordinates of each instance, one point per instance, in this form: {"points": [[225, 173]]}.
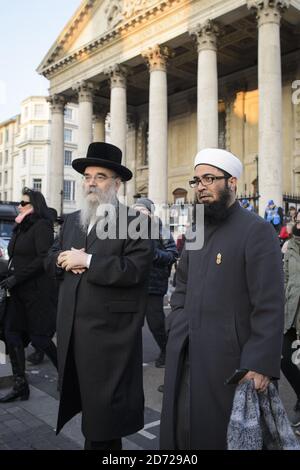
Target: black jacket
{"points": [[165, 254], [229, 305], [32, 306], [99, 328]]}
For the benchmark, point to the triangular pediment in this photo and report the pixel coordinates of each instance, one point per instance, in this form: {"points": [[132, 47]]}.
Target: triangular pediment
{"points": [[93, 19], [71, 32]]}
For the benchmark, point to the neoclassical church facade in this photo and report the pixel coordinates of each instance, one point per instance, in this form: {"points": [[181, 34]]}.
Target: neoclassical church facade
{"points": [[172, 77]]}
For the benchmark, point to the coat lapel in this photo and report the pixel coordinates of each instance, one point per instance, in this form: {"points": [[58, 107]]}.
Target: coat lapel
{"points": [[79, 237], [91, 238]]}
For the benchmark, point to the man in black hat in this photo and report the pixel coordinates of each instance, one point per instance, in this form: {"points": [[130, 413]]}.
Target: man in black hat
{"points": [[101, 307]]}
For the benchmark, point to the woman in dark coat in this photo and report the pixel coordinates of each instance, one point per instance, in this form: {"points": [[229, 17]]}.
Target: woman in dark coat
{"points": [[31, 307]]}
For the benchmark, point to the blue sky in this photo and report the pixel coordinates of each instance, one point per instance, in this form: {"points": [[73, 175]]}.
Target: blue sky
{"points": [[28, 28]]}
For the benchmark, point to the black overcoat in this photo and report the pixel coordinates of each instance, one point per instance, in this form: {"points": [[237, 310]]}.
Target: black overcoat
{"points": [[232, 315], [32, 305], [99, 332]]}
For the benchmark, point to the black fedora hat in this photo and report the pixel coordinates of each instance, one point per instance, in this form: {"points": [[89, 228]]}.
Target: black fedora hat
{"points": [[105, 155]]}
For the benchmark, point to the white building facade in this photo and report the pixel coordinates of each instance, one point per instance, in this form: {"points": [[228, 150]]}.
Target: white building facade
{"points": [[25, 152], [177, 76]]}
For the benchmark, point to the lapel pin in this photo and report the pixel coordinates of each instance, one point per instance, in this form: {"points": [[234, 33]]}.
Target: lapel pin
{"points": [[219, 258]]}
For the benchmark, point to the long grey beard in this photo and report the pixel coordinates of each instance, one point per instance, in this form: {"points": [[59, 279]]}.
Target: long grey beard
{"points": [[89, 208]]}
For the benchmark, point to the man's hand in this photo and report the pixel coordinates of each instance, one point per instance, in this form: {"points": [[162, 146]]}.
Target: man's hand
{"points": [[73, 260], [8, 283], [261, 382]]}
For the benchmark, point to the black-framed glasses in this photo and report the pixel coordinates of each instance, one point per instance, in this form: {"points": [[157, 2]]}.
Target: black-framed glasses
{"points": [[24, 203], [206, 180]]}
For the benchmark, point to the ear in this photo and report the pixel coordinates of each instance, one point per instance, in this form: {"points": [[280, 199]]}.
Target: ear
{"points": [[118, 182], [233, 183]]}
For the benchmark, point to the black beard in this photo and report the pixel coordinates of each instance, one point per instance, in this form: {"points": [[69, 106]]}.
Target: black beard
{"points": [[218, 211]]}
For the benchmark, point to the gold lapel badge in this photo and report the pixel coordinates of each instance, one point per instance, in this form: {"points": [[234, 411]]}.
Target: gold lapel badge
{"points": [[219, 258]]}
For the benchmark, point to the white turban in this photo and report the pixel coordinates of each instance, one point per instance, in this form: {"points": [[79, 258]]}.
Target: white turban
{"points": [[220, 159]]}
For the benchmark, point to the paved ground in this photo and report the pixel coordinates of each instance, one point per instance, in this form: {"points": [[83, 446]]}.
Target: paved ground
{"points": [[31, 424]]}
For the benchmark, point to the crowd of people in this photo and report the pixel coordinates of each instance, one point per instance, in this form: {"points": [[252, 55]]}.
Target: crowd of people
{"points": [[235, 311]]}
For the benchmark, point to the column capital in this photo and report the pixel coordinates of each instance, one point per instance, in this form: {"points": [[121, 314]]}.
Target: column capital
{"points": [[206, 35], [117, 74], [85, 90], [157, 57], [268, 11], [99, 115], [57, 103]]}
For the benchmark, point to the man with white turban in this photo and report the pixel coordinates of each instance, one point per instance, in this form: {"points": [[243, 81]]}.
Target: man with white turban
{"points": [[227, 311]]}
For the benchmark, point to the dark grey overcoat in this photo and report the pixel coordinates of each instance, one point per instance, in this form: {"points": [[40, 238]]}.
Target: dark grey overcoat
{"points": [[99, 332], [232, 315]]}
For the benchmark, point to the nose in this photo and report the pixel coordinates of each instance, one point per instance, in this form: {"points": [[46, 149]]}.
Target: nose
{"points": [[200, 184]]}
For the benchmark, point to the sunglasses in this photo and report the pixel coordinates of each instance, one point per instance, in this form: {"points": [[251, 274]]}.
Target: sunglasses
{"points": [[24, 203]]}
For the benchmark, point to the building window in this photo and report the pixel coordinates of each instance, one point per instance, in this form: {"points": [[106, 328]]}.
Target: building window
{"points": [[37, 184], [68, 157], [38, 132], [68, 135], [23, 183], [69, 190], [38, 110], [38, 156], [69, 113], [6, 156], [0, 158], [26, 112], [24, 157], [5, 177], [6, 135], [5, 196], [0, 179]]}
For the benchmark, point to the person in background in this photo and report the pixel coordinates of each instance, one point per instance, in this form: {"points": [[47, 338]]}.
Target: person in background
{"points": [[164, 255], [274, 215], [292, 214], [37, 356], [285, 235], [292, 315], [180, 243], [31, 309], [246, 205]]}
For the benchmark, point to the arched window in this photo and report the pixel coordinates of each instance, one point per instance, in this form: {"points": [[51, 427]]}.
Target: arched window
{"points": [[180, 196]]}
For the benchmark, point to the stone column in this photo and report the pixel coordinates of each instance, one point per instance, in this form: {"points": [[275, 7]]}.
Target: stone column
{"points": [[118, 112], [207, 84], [131, 158], [158, 123], [118, 108], [85, 116], [270, 100], [99, 126], [56, 164], [85, 128]]}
